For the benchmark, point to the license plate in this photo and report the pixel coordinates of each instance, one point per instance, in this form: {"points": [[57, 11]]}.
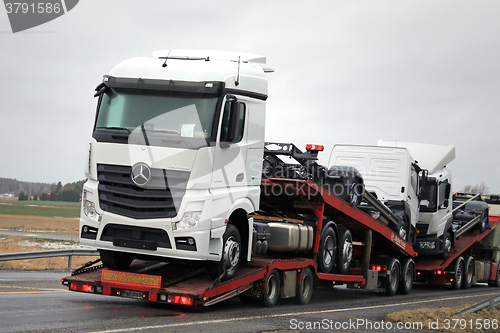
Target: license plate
{"points": [[131, 294]]}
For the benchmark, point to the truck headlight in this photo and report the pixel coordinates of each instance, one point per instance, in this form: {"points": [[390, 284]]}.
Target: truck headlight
{"points": [[188, 221], [89, 208], [428, 245]]}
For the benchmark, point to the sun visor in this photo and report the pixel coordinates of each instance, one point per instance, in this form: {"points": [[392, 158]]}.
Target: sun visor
{"points": [[429, 156]]}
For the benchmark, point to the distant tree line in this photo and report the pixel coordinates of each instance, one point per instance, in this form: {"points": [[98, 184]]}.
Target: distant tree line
{"points": [[476, 189], [56, 192]]}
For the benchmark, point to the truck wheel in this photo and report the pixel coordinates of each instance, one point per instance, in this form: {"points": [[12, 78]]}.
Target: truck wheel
{"points": [[355, 193], [458, 273], [407, 278], [231, 255], [327, 250], [496, 282], [116, 260], [469, 272], [272, 289], [345, 254], [392, 277], [305, 286], [447, 246], [484, 220]]}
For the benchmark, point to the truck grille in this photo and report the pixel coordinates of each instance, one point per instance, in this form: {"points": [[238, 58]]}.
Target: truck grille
{"points": [[422, 228], [119, 195]]}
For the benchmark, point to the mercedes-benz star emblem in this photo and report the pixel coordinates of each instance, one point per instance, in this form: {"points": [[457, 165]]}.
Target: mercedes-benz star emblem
{"points": [[141, 174]]}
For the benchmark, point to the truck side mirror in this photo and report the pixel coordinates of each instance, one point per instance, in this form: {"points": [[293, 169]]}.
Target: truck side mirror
{"points": [[233, 121], [445, 204], [447, 191]]}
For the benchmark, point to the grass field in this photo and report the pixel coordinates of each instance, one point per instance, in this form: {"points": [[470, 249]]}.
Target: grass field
{"points": [[29, 223], [40, 208], [457, 324]]}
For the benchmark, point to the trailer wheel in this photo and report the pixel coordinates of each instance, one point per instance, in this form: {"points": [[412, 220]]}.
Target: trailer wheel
{"points": [[345, 254], [116, 260], [327, 250], [272, 289], [469, 272], [231, 255], [447, 246], [305, 286], [407, 278], [392, 277], [458, 273], [496, 282]]}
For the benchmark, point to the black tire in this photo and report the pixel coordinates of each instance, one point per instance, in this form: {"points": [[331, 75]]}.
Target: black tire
{"points": [[231, 255], [446, 246], [327, 250], [116, 260], [407, 277], [392, 279], [344, 255], [458, 273], [496, 282], [272, 289], [468, 272], [355, 193], [305, 286]]}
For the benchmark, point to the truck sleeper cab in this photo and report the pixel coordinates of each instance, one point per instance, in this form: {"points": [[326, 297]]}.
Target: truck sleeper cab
{"points": [[174, 163]]}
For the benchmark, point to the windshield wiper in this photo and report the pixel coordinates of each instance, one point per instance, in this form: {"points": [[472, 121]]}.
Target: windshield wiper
{"points": [[114, 128]]}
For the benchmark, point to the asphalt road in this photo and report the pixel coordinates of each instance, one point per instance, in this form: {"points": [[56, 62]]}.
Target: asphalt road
{"points": [[36, 301]]}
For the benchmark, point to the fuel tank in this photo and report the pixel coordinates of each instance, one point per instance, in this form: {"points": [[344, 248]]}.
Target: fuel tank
{"points": [[290, 237]]}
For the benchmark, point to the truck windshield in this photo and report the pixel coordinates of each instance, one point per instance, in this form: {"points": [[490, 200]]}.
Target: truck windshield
{"points": [[155, 118], [428, 198]]}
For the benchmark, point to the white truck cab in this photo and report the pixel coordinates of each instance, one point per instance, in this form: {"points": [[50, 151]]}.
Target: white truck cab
{"points": [[390, 173], [174, 163]]}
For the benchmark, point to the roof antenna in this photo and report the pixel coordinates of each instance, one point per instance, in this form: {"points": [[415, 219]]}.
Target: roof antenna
{"points": [[238, 77], [166, 58]]}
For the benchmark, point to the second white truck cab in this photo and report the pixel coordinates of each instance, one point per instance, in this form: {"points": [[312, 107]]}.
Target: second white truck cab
{"points": [[390, 174], [436, 199]]}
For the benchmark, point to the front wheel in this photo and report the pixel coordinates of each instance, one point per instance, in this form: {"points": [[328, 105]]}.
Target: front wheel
{"points": [[483, 222], [447, 246], [231, 255], [116, 260]]}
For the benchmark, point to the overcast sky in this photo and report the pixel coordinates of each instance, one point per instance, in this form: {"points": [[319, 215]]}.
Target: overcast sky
{"points": [[345, 72]]}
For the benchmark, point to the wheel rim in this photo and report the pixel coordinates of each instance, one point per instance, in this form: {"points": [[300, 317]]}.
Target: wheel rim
{"points": [[447, 245], [271, 287], [347, 253], [402, 232], [469, 272], [459, 274], [394, 277], [231, 253], [408, 276], [328, 250]]}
